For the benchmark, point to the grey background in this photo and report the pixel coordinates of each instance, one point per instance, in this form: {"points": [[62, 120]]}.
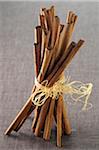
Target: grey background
{"points": [[17, 22]]}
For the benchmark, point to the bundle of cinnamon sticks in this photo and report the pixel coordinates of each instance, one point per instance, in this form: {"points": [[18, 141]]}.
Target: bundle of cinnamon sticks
{"points": [[53, 51]]}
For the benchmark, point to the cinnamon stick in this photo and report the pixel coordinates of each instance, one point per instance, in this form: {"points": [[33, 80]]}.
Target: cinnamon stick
{"points": [[54, 50], [43, 23], [55, 32], [45, 63], [36, 114], [66, 34], [52, 78], [59, 121], [46, 60], [49, 120], [41, 119], [66, 123], [47, 18], [52, 9], [37, 48], [37, 58], [38, 34], [56, 67], [21, 117]]}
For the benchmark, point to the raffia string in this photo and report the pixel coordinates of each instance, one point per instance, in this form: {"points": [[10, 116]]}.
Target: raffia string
{"points": [[78, 91]]}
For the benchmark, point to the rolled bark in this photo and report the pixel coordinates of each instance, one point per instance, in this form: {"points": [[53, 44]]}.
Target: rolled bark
{"points": [[59, 121], [49, 120]]}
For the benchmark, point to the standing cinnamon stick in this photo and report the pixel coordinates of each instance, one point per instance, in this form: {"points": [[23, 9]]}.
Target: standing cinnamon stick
{"points": [[41, 119], [66, 34], [59, 121], [45, 63], [55, 40], [43, 24], [49, 120], [38, 46], [66, 123], [37, 58], [36, 114]]}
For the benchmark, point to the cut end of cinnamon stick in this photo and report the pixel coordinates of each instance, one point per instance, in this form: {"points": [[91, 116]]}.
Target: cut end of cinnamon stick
{"points": [[80, 43]]}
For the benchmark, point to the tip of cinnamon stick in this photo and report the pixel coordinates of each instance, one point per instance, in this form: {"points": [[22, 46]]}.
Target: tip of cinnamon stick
{"points": [[52, 7], [80, 42], [71, 18], [38, 27], [73, 43], [75, 19]]}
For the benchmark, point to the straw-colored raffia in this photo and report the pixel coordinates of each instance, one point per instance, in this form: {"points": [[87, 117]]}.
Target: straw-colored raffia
{"points": [[77, 90]]}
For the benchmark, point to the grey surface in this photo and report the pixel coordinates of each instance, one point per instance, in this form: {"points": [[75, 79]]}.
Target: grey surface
{"points": [[17, 22]]}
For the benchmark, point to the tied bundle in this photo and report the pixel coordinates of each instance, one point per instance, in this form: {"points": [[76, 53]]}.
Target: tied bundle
{"points": [[53, 51]]}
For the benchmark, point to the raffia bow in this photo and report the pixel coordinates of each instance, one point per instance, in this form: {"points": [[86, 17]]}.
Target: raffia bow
{"points": [[78, 91]]}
